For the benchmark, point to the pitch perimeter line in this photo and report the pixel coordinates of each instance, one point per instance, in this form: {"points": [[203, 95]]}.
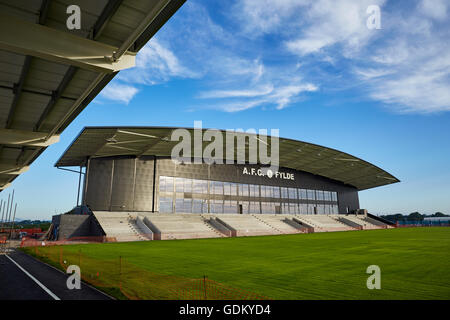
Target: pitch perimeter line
{"points": [[54, 296]]}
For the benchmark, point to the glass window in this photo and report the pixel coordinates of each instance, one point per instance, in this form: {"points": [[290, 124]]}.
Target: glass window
{"points": [[319, 194], [327, 195], [179, 184], [311, 195], [335, 209], [233, 187], [303, 194], [293, 208], [165, 184], [187, 185], [216, 206], [320, 209], [216, 187], [276, 192], [285, 208], [311, 209], [254, 207], [165, 205], [200, 186], [199, 206], [162, 184], [243, 190], [284, 193], [245, 207], [254, 190], [183, 205], [292, 193], [263, 191], [230, 206], [227, 188], [303, 208], [268, 207], [269, 191], [334, 196]]}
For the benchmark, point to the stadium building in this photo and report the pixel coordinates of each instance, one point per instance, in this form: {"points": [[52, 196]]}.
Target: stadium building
{"points": [[135, 190]]}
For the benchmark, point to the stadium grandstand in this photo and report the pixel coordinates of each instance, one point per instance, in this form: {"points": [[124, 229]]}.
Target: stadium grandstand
{"points": [[132, 189]]}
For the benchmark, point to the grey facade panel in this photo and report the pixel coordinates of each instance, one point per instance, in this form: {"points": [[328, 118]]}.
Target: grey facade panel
{"points": [[98, 192], [123, 184], [143, 193]]}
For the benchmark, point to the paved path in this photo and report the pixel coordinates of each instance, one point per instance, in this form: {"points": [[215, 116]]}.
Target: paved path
{"points": [[23, 277]]}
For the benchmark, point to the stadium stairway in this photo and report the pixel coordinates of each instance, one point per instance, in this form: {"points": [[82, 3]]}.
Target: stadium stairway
{"points": [[133, 226], [278, 223], [181, 226], [356, 226], [360, 219], [119, 225], [246, 225], [324, 223]]}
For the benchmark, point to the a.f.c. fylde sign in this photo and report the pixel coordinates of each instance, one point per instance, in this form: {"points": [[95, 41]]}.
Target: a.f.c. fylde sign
{"points": [[263, 172]]}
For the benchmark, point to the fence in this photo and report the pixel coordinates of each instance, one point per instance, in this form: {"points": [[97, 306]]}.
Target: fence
{"points": [[409, 224], [135, 282], [30, 242]]}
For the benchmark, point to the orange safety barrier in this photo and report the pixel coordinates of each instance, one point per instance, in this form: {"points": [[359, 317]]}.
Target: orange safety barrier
{"points": [[30, 242]]}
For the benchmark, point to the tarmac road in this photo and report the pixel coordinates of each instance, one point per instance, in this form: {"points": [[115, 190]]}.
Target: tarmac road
{"points": [[17, 271]]}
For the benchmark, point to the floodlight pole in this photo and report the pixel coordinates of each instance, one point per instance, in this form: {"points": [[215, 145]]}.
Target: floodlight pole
{"points": [[10, 211], [14, 218], [5, 210]]}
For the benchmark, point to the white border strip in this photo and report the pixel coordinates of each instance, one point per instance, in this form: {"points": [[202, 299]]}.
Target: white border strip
{"points": [[34, 279]]}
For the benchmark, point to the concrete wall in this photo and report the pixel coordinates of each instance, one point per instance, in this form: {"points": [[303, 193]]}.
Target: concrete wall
{"points": [[73, 225]]}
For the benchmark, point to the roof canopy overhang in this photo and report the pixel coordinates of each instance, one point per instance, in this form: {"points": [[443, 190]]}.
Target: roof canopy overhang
{"points": [[49, 73], [98, 142]]}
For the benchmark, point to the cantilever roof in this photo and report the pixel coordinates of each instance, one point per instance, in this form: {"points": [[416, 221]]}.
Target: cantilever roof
{"points": [[95, 142], [49, 73]]}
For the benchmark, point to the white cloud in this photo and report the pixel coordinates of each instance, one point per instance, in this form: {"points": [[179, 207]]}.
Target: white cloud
{"points": [[280, 97], [266, 16], [371, 73], [404, 65], [236, 93], [155, 63], [423, 88], [436, 9], [331, 22], [119, 92], [271, 53]]}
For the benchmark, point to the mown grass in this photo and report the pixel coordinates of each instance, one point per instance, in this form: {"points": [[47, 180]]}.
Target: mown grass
{"points": [[414, 262]]}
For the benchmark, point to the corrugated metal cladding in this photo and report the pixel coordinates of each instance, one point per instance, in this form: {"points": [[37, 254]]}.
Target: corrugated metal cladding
{"points": [[43, 93], [126, 184]]}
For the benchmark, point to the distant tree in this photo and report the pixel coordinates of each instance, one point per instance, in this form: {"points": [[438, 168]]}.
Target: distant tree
{"points": [[394, 217], [439, 214], [415, 216]]}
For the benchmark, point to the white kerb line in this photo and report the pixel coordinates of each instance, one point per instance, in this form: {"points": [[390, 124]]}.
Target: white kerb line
{"points": [[54, 296]]}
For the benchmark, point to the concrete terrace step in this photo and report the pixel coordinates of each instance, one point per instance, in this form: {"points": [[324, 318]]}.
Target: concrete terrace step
{"points": [[139, 226]]}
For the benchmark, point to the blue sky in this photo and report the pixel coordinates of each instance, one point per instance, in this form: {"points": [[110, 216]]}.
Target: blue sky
{"points": [[310, 68]]}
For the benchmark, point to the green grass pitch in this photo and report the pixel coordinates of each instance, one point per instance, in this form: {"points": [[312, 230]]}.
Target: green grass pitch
{"points": [[414, 262]]}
